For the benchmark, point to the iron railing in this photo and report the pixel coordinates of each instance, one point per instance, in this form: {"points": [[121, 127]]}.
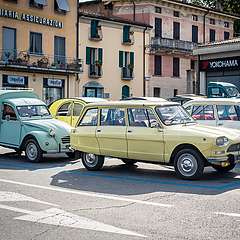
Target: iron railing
{"points": [[127, 73], [95, 71]]}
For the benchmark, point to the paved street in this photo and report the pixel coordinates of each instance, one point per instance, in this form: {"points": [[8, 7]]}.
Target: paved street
{"points": [[59, 199]]}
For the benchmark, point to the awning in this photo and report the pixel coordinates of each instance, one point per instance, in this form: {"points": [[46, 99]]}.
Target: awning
{"points": [[93, 84], [63, 5], [41, 2]]}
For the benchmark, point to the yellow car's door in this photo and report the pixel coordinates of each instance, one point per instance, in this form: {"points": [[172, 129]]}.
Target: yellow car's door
{"points": [[77, 108], [111, 133], [144, 137], [64, 112]]}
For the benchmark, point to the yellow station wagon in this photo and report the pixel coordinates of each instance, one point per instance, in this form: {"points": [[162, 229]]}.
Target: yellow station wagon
{"points": [[153, 132]]}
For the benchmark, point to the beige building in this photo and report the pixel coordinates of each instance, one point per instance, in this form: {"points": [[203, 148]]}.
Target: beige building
{"points": [[38, 47], [113, 53]]}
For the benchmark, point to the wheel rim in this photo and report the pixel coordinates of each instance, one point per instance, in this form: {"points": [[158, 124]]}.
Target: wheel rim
{"points": [[91, 159], [187, 165], [31, 151]]}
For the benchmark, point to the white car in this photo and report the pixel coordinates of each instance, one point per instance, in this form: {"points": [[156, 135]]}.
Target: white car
{"points": [[223, 112]]}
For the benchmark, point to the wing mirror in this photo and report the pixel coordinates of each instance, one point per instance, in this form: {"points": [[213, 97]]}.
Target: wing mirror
{"points": [[7, 117]]}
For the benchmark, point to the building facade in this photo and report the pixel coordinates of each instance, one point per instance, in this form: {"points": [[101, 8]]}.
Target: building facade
{"points": [[113, 53], [38, 47]]}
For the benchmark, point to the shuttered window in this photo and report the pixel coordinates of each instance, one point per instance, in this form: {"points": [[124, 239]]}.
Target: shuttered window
{"points": [[126, 59], [195, 34], [157, 65], [93, 55], [212, 36], [176, 67], [126, 30], [176, 30], [158, 27]]}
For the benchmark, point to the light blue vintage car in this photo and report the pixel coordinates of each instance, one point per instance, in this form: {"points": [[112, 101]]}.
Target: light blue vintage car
{"points": [[26, 125]]}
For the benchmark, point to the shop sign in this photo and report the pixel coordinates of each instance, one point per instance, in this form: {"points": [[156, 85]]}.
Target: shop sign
{"points": [[220, 64], [15, 80], [55, 83], [30, 18]]}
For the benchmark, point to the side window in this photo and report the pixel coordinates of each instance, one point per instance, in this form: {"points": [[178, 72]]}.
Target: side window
{"points": [[64, 110], [204, 112], [188, 109], [77, 108], [113, 117], [227, 112], [8, 113], [90, 118]]}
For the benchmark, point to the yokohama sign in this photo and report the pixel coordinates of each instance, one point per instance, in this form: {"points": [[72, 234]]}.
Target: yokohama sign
{"points": [[220, 64]]}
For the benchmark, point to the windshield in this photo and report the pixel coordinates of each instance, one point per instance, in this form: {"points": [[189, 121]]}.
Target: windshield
{"points": [[172, 115], [33, 111], [232, 91]]}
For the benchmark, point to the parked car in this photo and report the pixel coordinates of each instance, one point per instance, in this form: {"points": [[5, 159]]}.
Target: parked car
{"points": [[153, 132], [184, 98], [68, 109], [215, 111], [152, 99], [222, 90], [27, 125]]}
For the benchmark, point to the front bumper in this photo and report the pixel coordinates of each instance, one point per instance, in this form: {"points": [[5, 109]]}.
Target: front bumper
{"points": [[221, 160]]}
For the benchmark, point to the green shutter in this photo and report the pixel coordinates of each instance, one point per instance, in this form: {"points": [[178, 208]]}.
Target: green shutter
{"points": [[100, 55], [88, 55], [126, 30], [94, 24], [120, 59], [132, 58]]}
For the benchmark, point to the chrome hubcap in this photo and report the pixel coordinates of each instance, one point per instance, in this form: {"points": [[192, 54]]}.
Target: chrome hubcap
{"points": [[187, 165], [91, 159], [31, 151]]}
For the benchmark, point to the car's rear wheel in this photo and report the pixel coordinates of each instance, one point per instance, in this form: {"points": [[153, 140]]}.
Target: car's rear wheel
{"points": [[33, 152], [92, 162], [224, 169], [188, 164], [129, 162]]}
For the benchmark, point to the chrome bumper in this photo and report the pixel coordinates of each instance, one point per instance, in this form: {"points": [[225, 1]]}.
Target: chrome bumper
{"points": [[234, 158]]}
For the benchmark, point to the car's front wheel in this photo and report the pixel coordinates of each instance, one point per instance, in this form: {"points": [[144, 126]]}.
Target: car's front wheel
{"points": [[226, 169], [188, 164], [92, 162], [33, 152]]}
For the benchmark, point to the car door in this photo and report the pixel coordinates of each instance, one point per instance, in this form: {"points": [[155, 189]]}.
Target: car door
{"points": [[64, 112], [84, 138], [204, 114], [145, 139], [77, 108], [111, 133], [10, 127], [228, 116]]}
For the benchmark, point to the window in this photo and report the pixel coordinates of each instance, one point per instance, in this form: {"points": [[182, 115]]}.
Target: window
{"points": [[175, 92], [212, 21], [65, 110], [176, 14], [140, 117], [127, 34], [94, 56], [113, 117], [156, 92], [126, 59], [176, 67], [176, 30], [9, 43], [203, 112], [95, 30], [77, 108], [61, 6], [35, 43], [157, 65], [193, 64], [8, 113], [125, 92], [38, 3], [226, 24], [90, 118], [158, 10], [59, 50], [188, 109], [212, 36], [195, 18], [226, 35], [227, 112], [195, 34], [158, 27]]}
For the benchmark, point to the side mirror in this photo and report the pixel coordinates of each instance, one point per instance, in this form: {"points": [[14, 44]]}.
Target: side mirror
{"points": [[7, 117], [155, 124]]}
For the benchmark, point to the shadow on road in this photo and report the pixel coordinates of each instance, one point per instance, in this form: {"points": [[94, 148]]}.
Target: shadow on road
{"points": [[124, 180]]}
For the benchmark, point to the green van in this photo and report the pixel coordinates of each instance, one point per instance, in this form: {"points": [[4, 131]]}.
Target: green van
{"points": [[27, 125]]}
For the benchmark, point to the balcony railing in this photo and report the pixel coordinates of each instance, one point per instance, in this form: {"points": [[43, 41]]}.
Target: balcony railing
{"points": [[167, 44], [95, 71], [127, 73], [23, 59]]}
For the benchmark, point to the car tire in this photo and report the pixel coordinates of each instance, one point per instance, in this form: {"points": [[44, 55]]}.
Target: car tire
{"points": [[129, 162], [92, 162], [226, 169], [188, 164], [33, 152]]}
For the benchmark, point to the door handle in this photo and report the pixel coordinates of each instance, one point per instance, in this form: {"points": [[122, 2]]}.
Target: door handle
{"points": [[220, 124], [129, 131], [99, 130]]}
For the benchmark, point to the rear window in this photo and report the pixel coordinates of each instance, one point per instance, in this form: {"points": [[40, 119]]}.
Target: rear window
{"points": [[227, 112]]}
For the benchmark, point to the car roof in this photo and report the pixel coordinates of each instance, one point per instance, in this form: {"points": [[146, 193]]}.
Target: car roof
{"points": [[225, 84], [131, 103], [152, 99], [214, 100], [25, 101], [28, 93]]}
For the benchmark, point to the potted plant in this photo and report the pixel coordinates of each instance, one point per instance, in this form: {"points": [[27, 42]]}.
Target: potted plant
{"points": [[43, 62]]}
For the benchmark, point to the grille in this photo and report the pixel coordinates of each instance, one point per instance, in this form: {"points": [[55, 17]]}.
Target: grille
{"points": [[234, 148], [66, 140]]}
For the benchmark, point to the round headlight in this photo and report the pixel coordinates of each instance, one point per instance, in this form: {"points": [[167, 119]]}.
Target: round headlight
{"points": [[52, 132], [222, 141]]}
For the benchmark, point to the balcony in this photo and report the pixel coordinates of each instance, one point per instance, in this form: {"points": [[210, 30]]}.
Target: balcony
{"points": [[127, 73], [95, 71], [13, 59], [171, 45]]}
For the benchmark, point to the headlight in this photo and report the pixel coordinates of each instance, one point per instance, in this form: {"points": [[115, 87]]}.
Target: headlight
{"points": [[222, 141], [51, 132]]}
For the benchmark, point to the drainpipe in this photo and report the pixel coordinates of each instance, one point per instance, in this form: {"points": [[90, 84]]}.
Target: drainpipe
{"points": [[134, 10], [77, 42], [144, 62], [204, 26], [198, 77]]}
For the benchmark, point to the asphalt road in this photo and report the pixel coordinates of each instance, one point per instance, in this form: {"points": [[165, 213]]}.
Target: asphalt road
{"points": [[59, 199]]}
